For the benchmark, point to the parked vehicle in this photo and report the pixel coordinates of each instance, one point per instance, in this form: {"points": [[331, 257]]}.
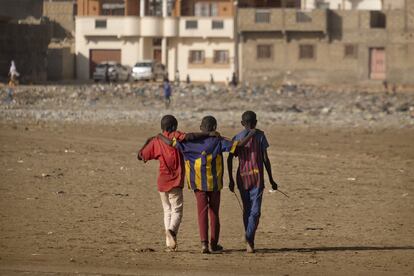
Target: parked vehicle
{"points": [[148, 70], [111, 71]]}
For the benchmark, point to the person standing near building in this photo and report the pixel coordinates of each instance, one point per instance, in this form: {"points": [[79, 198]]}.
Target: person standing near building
{"points": [[167, 92], [13, 74], [177, 77]]}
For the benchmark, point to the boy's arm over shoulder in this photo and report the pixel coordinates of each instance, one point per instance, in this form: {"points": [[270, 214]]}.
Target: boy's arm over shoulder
{"points": [[148, 151], [231, 146], [199, 135], [174, 142]]}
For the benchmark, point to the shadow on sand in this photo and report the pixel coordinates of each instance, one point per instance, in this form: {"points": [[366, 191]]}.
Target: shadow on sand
{"points": [[326, 249]]}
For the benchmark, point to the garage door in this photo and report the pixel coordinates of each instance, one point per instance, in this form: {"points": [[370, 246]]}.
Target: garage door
{"points": [[98, 56]]}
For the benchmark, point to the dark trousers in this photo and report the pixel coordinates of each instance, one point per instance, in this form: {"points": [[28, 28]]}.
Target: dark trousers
{"points": [[208, 203], [252, 204]]}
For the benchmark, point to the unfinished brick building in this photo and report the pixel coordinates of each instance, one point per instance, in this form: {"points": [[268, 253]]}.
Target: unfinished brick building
{"points": [[321, 45]]}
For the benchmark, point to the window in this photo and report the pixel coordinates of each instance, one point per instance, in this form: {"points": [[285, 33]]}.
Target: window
{"points": [[217, 24], [321, 4], [113, 8], [154, 7], [302, 17], [292, 4], [378, 19], [264, 51], [156, 41], [306, 51], [100, 24], [262, 16], [350, 51], [191, 24], [221, 56], [205, 9], [196, 57]]}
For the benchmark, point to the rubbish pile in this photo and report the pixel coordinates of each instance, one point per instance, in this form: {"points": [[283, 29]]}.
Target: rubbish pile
{"points": [[288, 104]]}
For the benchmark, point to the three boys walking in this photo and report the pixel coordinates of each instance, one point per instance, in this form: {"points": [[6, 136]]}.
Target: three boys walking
{"points": [[201, 155]]}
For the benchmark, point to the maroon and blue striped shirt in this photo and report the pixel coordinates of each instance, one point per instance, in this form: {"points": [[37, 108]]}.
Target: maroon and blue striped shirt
{"points": [[250, 171]]}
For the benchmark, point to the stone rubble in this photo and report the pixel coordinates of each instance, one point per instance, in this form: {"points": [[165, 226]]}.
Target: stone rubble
{"points": [[143, 102]]}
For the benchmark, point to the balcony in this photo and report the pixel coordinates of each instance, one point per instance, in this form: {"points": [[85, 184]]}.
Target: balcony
{"points": [[282, 20], [155, 26], [124, 26], [222, 27]]}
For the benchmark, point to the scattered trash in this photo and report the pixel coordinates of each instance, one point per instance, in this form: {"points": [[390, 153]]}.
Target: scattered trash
{"points": [[286, 101], [313, 228], [119, 194], [351, 179], [60, 192], [405, 194], [46, 175], [146, 250]]}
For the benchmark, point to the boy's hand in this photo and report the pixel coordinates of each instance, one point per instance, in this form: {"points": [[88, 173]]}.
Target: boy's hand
{"points": [[274, 184], [214, 134], [231, 185]]}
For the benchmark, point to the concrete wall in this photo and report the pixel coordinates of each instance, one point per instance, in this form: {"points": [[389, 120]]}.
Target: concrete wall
{"points": [[330, 64], [345, 4], [60, 62], [20, 9], [394, 4], [61, 17], [282, 20], [179, 59]]}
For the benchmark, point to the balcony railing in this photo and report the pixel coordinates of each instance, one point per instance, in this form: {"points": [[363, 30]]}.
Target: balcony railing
{"points": [[109, 26], [206, 27], [154, 26]]}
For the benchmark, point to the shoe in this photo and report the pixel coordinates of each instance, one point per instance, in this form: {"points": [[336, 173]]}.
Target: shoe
{"points": [[171, 240], [249, 247], [204, 248], [216, 248]]}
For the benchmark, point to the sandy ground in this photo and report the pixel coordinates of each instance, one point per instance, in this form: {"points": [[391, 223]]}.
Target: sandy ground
{"points": [[74, 199]]}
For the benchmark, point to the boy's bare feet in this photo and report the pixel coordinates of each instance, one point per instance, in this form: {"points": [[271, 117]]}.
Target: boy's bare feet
{"points": [[171, 240], [249, 247], [204, 248]]}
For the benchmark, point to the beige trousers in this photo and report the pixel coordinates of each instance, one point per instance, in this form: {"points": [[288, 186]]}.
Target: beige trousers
{"points": [[172, 203]]}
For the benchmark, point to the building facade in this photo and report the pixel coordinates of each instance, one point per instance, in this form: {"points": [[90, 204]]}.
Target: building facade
{"points": [[193, 37], [325, 46], [343, 4], [261, 40]]}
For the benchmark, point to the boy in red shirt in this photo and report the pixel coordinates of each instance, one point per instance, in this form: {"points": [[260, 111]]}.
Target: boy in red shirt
{"points": [[171, 174]]}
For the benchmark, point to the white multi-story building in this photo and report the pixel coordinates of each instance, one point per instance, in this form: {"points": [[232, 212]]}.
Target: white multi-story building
{"points": [[192, 36]]}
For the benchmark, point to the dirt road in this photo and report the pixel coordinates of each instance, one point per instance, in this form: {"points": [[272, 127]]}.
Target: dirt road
{"points": [[74, 199]]}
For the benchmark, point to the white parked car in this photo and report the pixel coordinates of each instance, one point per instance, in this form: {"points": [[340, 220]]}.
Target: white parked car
{"points": [[148, 70]]}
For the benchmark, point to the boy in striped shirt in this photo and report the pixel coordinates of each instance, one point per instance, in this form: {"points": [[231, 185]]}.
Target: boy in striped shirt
{"points": [[204, 168], [250, 175]]}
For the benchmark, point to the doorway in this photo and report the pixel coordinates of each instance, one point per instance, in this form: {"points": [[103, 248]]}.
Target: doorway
{"points": [[377, 64]]}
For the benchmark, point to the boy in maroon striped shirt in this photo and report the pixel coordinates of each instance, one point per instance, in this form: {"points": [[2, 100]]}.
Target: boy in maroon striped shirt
{"points": [[250, 176]]}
